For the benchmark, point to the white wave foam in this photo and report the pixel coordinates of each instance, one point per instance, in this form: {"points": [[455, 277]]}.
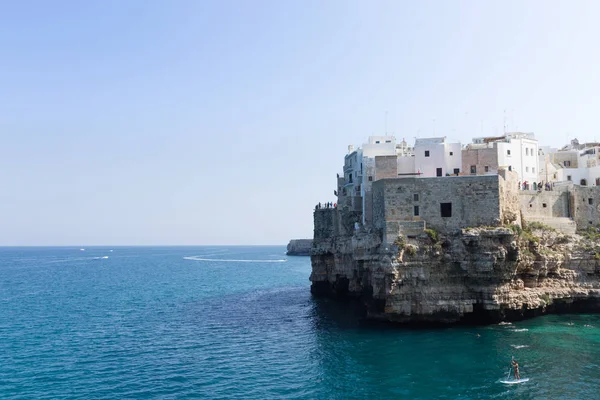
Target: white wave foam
{"points": [[520, 330], [100, 258], [519, 346], [505, 323], [195, 258]]}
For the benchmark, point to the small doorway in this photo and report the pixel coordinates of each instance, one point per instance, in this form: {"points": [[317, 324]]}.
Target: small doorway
{"points": [[438, 172]]}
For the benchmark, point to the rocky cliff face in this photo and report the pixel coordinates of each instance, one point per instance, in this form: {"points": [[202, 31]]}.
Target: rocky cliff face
{"points": [[477, 275], [299, 247]]}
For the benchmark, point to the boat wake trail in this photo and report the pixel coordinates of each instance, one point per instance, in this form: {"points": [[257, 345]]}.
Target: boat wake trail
{"points": [[195, 258]]}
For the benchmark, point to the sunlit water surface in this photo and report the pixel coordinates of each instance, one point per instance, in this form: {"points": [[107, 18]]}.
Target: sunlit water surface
{"points": [[239, 322]]}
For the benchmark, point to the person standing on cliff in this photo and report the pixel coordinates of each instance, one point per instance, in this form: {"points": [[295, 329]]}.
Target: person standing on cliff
{"points": [[515, 366]]}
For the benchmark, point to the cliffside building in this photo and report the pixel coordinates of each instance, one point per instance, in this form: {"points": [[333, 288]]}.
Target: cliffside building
{"points": [[579, 163], [382, 157], [516, 152]]}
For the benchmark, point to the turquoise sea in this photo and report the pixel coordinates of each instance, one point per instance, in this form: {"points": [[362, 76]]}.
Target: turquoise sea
{"points": [[239, 322]]}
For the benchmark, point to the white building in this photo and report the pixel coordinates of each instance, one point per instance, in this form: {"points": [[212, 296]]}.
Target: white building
{"points": [[436, 157], [359, 170], [580, 164], [429, 158], [518, 152]]}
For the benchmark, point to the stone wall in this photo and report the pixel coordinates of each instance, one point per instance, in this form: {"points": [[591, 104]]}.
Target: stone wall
{"points": [[386, 167], [510, 207], [586, 206], [480, 158], [333, 222], [464, 201], [325, 223], [561, 156], [545, 204], [368, 207]]}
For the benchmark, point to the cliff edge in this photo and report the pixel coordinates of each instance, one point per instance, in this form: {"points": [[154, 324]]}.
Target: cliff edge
{"points": [[474, 275], [299, 247]]}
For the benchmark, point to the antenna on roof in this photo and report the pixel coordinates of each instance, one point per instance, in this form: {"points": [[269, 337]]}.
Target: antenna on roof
{"points": [[505, 121]]}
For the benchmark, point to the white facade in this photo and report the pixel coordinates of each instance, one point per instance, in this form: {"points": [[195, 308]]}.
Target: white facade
{"points": [[586, 170], [436, 157], [518, 152], [359, 168]]}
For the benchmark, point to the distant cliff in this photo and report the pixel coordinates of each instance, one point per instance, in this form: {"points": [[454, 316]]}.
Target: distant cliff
{"points": [[299, 247]]}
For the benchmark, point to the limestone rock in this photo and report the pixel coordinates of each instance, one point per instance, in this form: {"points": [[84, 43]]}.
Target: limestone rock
{"points": [[479, 275], [299, 247]]}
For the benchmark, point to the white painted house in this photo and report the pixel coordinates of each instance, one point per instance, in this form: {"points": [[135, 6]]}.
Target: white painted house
{"points": [[518, 152], [580, 164], [436, 157]]}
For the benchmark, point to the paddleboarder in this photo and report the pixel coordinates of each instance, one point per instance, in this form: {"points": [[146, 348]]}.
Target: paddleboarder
{"points": [[515, 366]]}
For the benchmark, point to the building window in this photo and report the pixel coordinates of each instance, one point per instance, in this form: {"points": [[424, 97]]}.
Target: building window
{"points": [[388, 141], [486, 168], [533, 169], [370, 179], [377, 141], [456, 171], [567, 163], [583, 182], [426, 153], [416, 211], [473, 169], [526, 169], [526, 151], [544, 205], [438, 172], [350, 179], [508, 152], [451, 153], [590, 201], [568, 177], [510, 167], [446, 210], [416, 197]]}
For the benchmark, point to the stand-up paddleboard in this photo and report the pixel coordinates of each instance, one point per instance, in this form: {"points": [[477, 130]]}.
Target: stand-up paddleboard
{"points": [[509, 381], [513, 381]]}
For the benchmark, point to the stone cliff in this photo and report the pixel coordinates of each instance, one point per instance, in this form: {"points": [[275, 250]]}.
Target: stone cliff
{"points": [[475, 275], [299, 247]]}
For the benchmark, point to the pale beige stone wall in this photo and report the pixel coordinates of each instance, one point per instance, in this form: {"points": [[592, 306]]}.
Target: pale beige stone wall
{"points": [[474, 201], [510, 205], [480, 158], [386, 167], [561, 156]]}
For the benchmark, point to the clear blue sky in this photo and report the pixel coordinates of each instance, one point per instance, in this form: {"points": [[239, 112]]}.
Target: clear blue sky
{"points": [[224, 122]]}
